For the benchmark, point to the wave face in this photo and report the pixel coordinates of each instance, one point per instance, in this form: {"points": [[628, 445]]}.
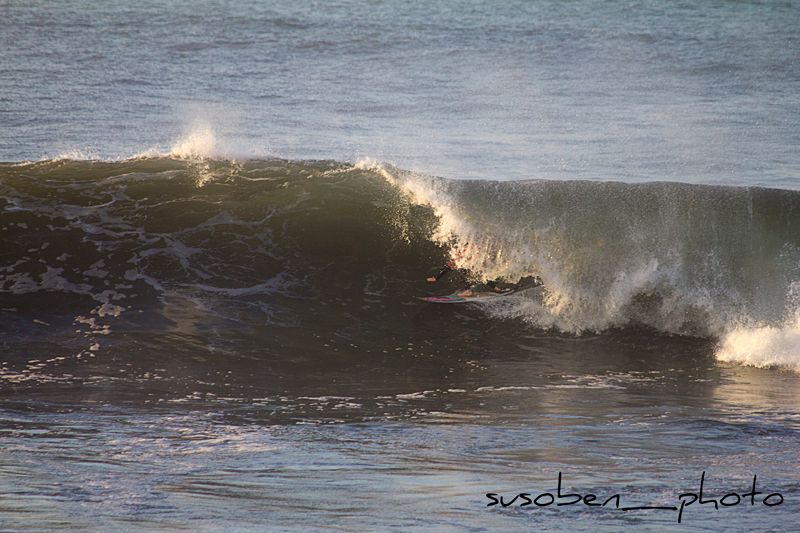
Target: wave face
{"points": [[682, 258], [184, 251]]}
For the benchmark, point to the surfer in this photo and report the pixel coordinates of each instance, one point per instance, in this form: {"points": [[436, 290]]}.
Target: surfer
{"points": [[469, 289], [450, 265]]}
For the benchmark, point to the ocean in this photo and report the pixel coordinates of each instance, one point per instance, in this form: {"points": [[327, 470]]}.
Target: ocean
{"points": [[217, 219]]}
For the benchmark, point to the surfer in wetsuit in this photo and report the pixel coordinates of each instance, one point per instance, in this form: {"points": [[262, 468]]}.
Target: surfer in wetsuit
{"points": [[468, 289], [450, 265]]}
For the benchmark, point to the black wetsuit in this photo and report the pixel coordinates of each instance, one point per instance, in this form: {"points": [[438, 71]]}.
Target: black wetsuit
{"points": [[445, 269], [450, 266]]}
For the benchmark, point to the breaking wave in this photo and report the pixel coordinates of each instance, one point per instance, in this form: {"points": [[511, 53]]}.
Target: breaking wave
{"points": [[300, 246]]}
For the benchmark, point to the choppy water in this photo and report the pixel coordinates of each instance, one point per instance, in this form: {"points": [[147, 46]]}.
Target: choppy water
{"points": [[199, 333]]}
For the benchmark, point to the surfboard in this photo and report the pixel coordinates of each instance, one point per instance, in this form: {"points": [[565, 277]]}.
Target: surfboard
{"points": [[456, 299]]}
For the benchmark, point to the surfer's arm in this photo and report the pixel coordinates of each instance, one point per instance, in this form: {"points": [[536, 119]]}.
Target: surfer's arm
{"points": [[444, 270]]}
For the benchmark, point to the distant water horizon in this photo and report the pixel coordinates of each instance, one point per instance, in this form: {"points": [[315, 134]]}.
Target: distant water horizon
{"points": [[625, 91]]}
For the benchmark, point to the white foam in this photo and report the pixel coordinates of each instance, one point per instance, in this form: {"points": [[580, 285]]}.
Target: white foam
{"points": [[421, 395], [764, 346]]}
